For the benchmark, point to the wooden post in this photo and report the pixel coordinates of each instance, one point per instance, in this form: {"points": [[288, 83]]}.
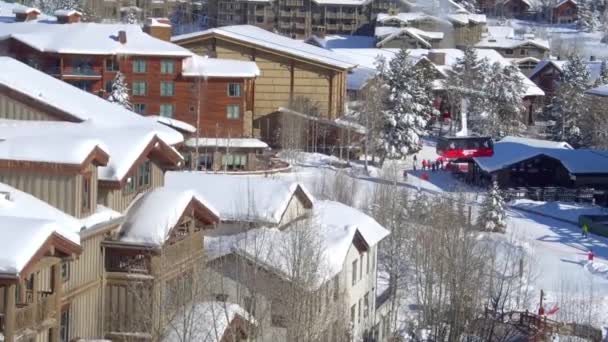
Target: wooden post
{"points": [[331, 95], [58, 292], [9, 318], [291, 81]]}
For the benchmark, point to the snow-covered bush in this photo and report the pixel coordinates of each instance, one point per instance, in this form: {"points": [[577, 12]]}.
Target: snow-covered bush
{"points": [[492, 216]]}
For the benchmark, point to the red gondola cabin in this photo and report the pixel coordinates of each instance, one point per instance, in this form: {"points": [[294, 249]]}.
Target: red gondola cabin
{"points": [[465, 147]]}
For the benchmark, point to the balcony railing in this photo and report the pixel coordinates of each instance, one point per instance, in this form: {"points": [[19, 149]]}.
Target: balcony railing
{"points": [[138, 263], [33, 314], [81, 71], [188, 247]]}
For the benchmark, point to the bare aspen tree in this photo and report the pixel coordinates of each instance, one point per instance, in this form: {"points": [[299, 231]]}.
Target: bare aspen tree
{"points": [[369, 114]]}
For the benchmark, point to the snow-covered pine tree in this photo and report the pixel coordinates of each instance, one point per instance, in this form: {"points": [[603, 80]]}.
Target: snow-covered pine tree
{"points": [[50, 6], [120, 92], [469, 5], [505, 90], [492, 216], [409, 105], [130, 16], [587, 16], [603, 77], [569, 104]]}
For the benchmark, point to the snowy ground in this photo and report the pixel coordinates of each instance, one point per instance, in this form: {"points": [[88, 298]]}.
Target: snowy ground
{"points": [[558, 251]]}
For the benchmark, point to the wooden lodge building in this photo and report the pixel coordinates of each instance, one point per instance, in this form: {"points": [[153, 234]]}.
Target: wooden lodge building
{"points": [[531, 163]]}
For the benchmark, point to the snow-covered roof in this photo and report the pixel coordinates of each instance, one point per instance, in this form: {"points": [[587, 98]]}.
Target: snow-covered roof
{"points": [[123, 144], [66, 13], [25, 224], [198, 66], [466, 18], [173, 123], [599, 91], [80, 105], [492, 42], [152, 215], [594, 67], [562, 2], [241, 198], [405, 17], [207, 322], [253, 35], [25, 10], [89, 39], [536, 142], [158, 22], [227, 143], [9, 9], [60, 149], [501, 31], [334, 224], [342, 42], [343, 2], [420, 35], [366, 58], [512, 151]]}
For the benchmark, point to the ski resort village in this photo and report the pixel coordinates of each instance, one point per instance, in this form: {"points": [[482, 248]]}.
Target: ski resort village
{"points": [[303, 170]]}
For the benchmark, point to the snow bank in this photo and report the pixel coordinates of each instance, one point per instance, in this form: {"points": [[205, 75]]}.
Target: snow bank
{"points": [[597, 268], [565, 211]]}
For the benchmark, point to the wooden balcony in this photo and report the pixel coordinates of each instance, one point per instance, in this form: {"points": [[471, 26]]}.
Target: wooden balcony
{"points": [[188, 248], [33, 315], [129, 263], [80, 72], [294, 3]]}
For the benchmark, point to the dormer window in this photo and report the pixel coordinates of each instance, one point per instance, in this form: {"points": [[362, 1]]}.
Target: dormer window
{"points": [[143, 175]]}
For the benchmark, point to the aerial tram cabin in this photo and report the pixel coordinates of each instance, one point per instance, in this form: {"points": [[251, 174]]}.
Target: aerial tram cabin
{"points": [[464, 148]]}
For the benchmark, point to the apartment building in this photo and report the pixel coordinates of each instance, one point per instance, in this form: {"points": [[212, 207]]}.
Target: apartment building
{"points": [[115, 10], [247, 255], [289, 70]]}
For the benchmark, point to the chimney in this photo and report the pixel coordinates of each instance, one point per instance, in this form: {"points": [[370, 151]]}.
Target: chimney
{"points": [[159, 28], [436, 57], [122, 37], [26, 14], [592, 58], [68, 16]]}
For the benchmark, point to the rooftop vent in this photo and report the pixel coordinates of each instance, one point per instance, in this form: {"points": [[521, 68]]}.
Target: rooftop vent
{"points": [[122, 37]]}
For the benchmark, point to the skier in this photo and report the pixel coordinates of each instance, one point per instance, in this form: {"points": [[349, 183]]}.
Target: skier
{"points": [[585, 230], [423, 164], [590, 255]]}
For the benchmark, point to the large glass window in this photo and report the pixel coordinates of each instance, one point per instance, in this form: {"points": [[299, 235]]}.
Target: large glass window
{"points": [[167, 67], [234, 90], [139, 66], [139, 88], [166, 110], [167, 88], [233, 112]]}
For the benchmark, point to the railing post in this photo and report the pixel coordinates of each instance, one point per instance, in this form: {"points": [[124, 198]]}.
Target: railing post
{"points": [[57, 291], [9, 319]]}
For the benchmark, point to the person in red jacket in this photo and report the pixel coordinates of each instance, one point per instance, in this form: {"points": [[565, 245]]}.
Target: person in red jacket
{"points": [[423, 164], [590, 255]]}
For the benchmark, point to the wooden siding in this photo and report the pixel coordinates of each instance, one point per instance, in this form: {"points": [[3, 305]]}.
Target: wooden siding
{"points": [[86, 313], [117, 200], [283, 79], [15, 110], [64, 192]]}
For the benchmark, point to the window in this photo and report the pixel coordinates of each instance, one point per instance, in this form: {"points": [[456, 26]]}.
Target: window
{"points": [[139, 88], [354, 278], [234, 90], [143, 174], [336, 288], [166, 110], [360, 267], [139, 66], [167, 88], [232, 112], [65, 271], [129, 185], [167, 67], [367, 262], [359, 314], [221, 297], [64, 328], [111, 65], [522, 52], [353, 311], [250, 305], [139, 108], [365, 304], [108, 86], [234, 161], [86, 193], [508, 52]]}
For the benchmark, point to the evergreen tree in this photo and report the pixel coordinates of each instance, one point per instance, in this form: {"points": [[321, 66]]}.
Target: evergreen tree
{"points": [[569, 104], [587, 16], [492, 216], [120, 92], [130, 16], [50, 6], [603, 77], [505, 89], [469, 5], [409, 106]]}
